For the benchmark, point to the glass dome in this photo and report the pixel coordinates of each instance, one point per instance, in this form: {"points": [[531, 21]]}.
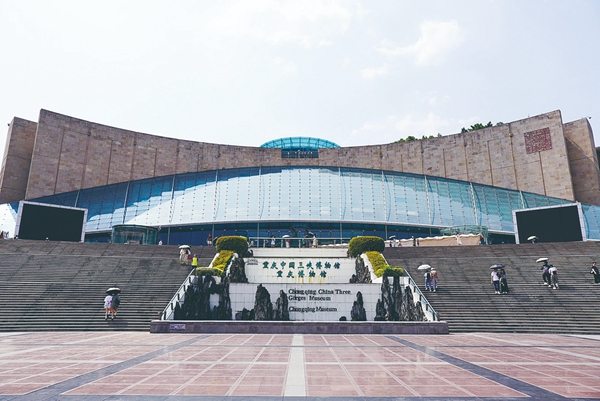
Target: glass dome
{"points": [[299, 143]]}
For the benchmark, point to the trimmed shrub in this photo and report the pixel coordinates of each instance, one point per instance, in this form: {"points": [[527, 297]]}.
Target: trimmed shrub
{"points": [[221, 262], [380, 267], [393, 271], [207, 271], [235, 243], [360, 245]]}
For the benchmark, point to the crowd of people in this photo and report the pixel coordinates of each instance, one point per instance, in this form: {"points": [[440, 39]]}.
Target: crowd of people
{"points": [[499, 279]]}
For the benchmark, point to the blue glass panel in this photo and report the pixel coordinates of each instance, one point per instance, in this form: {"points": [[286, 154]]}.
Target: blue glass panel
{"points": [[362, 195], [64, 199], [450, 202], [149, 202], [194, 198], [407, 198], [495, 206], [237, 195], [591, 217], [105, 206]]}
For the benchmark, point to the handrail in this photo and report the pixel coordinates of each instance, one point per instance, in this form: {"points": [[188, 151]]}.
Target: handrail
{"points": [[167, 314], [427, 308], [295, 242], [169, 310]]}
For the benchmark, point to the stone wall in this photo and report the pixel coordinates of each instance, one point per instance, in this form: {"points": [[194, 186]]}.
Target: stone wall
{"points": [[17, 159], [529, 155], [583, 161]]}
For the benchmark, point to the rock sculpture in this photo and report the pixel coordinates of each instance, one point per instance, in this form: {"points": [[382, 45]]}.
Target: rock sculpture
{"points": [[408, 309], [358, 312], [263, 308], [419, 314], [363, 275], [245, 314], [223, 310], [397, 297], [281, 307], [379, 311], [237, 271]]}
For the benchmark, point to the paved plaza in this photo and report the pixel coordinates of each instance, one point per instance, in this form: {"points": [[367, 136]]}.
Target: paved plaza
{"points": [[140, 366]]}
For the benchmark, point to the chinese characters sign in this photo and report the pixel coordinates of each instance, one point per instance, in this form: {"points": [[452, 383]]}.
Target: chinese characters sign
{"points": [[538, 140]]}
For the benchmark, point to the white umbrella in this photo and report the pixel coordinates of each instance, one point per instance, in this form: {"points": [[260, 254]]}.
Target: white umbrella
{"points": [[497, 266], [540, 260], [424, 267], [285, 236], [532, 238], [183, 246]]}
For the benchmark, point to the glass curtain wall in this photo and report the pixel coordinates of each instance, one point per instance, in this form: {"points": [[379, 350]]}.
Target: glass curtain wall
{"points": [[337, 202]]}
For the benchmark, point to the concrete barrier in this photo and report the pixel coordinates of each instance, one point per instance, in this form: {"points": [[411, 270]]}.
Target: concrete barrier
{"points": [[297, 327]]}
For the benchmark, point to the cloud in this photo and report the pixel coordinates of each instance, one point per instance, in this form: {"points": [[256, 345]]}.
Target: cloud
{"points": [[373, 72], [430, 125], [307, 23], [437, 40], [286, 67], [391, 128]]}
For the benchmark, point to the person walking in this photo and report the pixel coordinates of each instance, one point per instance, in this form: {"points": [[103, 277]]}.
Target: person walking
{"points": [[503, 282], [546, 274], [495, 279], [553, 271], [427, 276], [434, 280], [596, 272], [194, 261], [114, 305], [107, 305], [209, 240]]}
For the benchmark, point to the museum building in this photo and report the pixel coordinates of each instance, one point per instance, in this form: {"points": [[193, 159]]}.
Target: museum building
{"points": [[293, 186]]}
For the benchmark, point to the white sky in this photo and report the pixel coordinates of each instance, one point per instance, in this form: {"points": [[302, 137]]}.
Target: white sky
{"points": [[352, 72]]}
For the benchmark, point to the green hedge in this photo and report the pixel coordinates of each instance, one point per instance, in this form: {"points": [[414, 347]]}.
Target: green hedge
{"points": [[360, 245], [380, 267], [235, 243], [207, 271], [221, 261]]}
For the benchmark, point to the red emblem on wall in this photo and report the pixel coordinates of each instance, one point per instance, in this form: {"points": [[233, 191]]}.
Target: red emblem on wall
{"points": [[538, 140]]}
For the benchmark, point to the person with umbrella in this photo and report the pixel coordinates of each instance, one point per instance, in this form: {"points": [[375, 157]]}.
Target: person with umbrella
{"points": [[116, 301], [107, 304], [183, 252], [546, 274], [495, 277], [427, 276]]}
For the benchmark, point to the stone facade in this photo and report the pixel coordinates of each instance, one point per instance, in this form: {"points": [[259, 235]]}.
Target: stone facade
{"points": [[537, 154], [17, 159]]}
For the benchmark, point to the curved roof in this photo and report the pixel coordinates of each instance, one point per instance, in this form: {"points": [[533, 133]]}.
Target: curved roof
{"points": [[299, 142]]}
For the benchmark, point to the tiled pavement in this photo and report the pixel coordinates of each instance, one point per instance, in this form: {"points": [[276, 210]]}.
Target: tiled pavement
{"points": [[138, 366]]}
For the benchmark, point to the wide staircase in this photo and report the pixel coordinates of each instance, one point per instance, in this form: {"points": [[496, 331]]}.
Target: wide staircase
{"points": [[466, 298], [61, 285]]}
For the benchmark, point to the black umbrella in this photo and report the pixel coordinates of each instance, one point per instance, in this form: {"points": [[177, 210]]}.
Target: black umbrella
{"points": [[497, 266]]}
